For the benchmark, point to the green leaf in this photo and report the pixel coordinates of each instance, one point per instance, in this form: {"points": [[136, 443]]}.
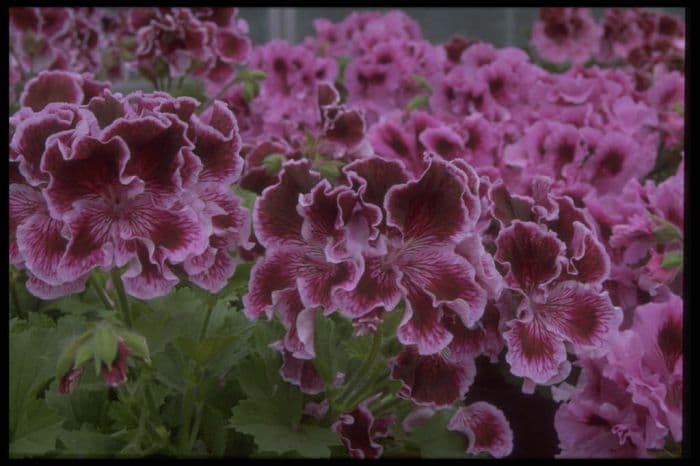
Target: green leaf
{"points": [[331, 357], [88, 442], [32, 362], [256, 418], [419, 101], [434, 440], [213, 431], [202, 352], [672, 260], [36, 431], [86, 404]]}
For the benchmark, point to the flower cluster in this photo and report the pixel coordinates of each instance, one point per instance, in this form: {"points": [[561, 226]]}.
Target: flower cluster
{"points": [[101, 180], [651, 44], [628, 401], [487, 205], [175, 42]]}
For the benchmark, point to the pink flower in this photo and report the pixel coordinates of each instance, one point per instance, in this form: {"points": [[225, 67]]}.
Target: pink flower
{"points": [[566, 34]]}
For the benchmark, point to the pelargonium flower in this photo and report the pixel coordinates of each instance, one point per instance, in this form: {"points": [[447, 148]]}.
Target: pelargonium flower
{"points": [[52, 38], [647, 359], [152, 213], [566, 34], [420, 262], [554, 259], [361, 31], [204, 41], [288, 100], [310, 231], [602, 416], [360, 430]]}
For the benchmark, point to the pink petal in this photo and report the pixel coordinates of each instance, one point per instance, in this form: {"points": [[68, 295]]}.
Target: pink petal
{"points": [[580, 314], [41, 244], [533, 351], [217, 144], [421, 324], [275, 218], [411, 207], [378, 176], [534, 254], [276, 271], [486, 427], [378, 287], [52, 86], [46, 291], [435, 381]]}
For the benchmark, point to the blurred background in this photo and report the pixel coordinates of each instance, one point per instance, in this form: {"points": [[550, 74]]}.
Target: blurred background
{"points": [[502, 26]]}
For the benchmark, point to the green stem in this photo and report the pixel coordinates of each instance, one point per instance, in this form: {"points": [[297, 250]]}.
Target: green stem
{"points": [[357, 376], [205, 325], [387, 405], [121, 294], [15, 300], [375, 382], [223, 90], [100, 292], [187, 407], [197, 423]]}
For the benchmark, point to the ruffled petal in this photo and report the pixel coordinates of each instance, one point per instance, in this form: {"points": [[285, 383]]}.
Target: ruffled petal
{"points": [[275, 271], [46, 291], [145, 279], [534, 255], [580, 314], [421, 325], [217, 144], [275, 217], [533, 350], [411, 207], [378, 287], [588, 256], [52, 86], [95, 171], [317, 279], [299, 372], [360, 430], [436, 380], [447, 277], [486, 427], [91, 232], [378, 176], [42, 246]]}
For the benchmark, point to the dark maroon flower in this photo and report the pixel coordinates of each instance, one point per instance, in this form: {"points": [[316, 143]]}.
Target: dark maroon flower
{"points": [[486, 428], [436, 380], [360, 430]]}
